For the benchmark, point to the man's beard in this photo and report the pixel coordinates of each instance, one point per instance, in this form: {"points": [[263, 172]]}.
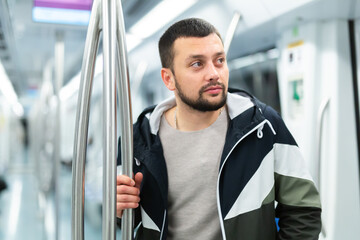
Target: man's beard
{"points": [[201, 104]]}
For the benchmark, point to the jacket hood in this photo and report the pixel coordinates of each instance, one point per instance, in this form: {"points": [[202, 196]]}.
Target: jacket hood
{"points": [[148, 123], [236, 104]]}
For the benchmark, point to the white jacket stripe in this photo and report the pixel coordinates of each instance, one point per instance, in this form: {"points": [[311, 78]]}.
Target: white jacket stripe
{"points": [[147, 221], [289, 162], [256, 190]]}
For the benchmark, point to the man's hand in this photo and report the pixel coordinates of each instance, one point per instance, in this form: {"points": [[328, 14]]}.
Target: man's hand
{"points": [[127, 192]]}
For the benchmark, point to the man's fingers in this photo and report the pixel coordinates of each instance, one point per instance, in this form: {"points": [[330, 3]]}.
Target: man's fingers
{"points": [[127, 192], [122, 206], [124, 189], [138, 179], [125, 180], [123, 198]]}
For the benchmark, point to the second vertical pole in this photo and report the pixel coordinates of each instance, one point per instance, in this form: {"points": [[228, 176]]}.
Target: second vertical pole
{"points": [[127, 223], [109, 101], [59, 77]]}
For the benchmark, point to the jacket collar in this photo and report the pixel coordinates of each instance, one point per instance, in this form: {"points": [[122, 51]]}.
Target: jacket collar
{"points": [[236, 104]]}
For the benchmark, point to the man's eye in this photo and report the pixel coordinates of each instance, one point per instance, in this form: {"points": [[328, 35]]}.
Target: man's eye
{"points": [[196, 64], [221, 60]]}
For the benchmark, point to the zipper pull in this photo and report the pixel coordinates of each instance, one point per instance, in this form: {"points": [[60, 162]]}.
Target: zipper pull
{"points": [[259, 131]]}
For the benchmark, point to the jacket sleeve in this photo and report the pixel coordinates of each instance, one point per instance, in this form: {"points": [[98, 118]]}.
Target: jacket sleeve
{"points": [[299, 208]]}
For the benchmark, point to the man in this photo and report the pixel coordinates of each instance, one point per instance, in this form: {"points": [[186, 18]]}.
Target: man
{"points": [[210, 164]]}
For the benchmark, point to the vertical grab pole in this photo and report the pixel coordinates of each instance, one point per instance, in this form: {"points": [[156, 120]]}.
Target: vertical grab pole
{"points": [[319, 130], [123, 83], [231, 31], [110, 133], [59, 69], [82, 122]]}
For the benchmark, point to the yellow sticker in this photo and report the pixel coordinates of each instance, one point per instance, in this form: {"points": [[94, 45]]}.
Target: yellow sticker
{"points": [[296, 44]]}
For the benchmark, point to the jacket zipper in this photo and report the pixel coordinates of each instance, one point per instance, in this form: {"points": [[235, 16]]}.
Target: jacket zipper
{"points": [[218, 181], [162, 229]]}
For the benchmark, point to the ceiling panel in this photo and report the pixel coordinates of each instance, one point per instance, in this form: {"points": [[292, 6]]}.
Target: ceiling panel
{"points": [[278, 7], [253, 12]]}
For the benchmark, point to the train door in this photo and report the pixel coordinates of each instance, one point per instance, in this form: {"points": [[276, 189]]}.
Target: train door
{"points": [[318, 105]]}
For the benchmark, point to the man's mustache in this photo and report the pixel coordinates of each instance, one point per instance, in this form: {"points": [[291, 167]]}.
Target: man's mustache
{"points": [[203, 89]]}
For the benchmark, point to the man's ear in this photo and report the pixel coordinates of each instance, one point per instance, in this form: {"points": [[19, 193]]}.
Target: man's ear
{"points": [[168, 78]]}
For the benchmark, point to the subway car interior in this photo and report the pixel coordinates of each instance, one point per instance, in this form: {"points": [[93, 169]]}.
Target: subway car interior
{"points": [[300, 57]]}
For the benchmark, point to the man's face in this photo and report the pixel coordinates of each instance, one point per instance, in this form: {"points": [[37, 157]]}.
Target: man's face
{"points": [[200, 72]]}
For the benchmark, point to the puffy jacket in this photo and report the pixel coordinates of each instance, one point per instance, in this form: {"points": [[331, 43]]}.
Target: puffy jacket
{"points": [[262, 176]]}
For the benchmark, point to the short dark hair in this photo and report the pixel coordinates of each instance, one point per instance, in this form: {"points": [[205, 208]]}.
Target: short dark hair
{"points": [[191, 27]]}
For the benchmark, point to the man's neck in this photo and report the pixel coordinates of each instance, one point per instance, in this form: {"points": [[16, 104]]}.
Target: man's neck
{"points": [[185, 118]]}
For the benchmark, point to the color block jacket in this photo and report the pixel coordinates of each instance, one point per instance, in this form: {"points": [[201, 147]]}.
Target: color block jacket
{"points": [[260, 164]]}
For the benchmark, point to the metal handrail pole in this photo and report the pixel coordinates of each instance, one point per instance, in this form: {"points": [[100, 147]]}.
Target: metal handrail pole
{"points": [[231, 31], [319, 128], [82, 122], [59, 73], [324, 104], [123, 83], [110, 133]]}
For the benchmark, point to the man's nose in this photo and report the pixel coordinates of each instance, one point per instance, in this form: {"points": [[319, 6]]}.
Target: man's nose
{"points": [[212, 73]]}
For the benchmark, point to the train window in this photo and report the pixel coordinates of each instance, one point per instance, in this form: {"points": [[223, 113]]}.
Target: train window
{"points": [[257, 74]]}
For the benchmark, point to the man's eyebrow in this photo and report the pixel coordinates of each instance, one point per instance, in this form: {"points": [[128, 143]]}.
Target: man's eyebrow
{"points": [[219, 53], [191, 57], [200, 56]]}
